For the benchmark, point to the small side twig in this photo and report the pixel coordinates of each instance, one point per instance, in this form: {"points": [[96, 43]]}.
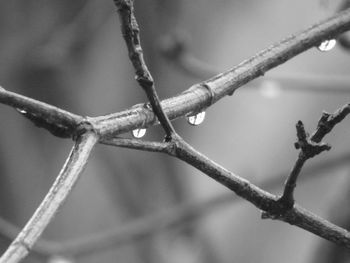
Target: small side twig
{"points": [[310, 146], [57, 194], [131, 34]]}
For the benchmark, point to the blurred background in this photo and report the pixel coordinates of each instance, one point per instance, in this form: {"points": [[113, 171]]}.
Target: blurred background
{"points": [[148, 207]]}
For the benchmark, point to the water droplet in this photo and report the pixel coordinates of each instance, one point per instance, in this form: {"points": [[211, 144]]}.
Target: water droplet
{"points": [[22, 111], [60, 259], [139, 133], [196, 119], [270, 89], [327, 45]]}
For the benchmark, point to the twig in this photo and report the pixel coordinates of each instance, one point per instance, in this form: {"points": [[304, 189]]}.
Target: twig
{"points": [[57, 194], [176, 51], [131, 34], [59, 122], [309, 147], [142, 145], [263, 200], [198, 97]]}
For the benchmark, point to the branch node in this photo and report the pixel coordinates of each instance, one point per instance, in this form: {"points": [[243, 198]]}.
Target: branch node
{"points": [[83, 127], [308, 147]]}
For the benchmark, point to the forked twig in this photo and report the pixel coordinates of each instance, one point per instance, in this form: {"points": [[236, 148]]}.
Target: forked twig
{"points": [[310, 146], [263, 200], [198, 97]]}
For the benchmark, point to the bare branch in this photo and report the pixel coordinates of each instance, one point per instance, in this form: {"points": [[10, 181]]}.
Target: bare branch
{"points": [[59, 122], [309, 147], [199, 97], [263, 200], [57, 194], [142, 145], [175, 50], [131, 34]]}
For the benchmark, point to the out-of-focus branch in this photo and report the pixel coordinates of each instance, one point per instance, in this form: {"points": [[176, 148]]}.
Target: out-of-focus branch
{"points": [[199, 96], [131, 34], [58, 46], [57, 194]]}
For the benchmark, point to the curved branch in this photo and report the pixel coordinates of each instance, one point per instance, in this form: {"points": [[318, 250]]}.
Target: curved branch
{"points": [[57, 194]]}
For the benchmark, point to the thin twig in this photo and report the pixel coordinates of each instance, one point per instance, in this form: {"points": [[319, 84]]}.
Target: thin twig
{"points": [[57, 194], [142, 145], [131, 34], [59, 122], [310, 146]]}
